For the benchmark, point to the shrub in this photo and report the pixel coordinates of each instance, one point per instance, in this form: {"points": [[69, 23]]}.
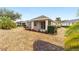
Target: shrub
{"points": [[52, 29], [6, 23], [0, 24], [72, 37]]}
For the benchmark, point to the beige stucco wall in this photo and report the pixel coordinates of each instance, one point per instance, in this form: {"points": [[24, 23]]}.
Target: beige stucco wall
{"points": [[38, 25]]}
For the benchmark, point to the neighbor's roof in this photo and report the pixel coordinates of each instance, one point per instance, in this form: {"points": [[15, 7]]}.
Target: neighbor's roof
{"points": [[69, 21], [42, 17]]}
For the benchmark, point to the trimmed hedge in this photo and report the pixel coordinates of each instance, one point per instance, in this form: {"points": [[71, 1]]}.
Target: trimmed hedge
{"points": [[52, 29]]}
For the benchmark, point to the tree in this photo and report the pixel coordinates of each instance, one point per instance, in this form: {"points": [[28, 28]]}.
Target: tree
{"points": [[58, 21], [9, 13]]}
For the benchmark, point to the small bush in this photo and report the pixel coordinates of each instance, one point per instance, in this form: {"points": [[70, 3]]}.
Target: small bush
{"points": [[52, 29], [6, 23]]}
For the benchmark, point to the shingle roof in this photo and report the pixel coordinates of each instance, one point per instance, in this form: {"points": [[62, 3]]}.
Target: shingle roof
{"points": [[42, 17]]}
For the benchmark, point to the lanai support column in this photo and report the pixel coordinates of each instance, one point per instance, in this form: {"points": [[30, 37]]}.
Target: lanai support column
{"points": [[32, 25], [46, 25]]}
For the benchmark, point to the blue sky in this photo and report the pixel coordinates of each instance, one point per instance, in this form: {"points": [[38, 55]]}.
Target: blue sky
{"points": [[66, 13]]}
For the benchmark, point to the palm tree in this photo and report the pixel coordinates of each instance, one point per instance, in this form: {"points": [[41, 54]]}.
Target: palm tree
{"points": [[72, 37]]}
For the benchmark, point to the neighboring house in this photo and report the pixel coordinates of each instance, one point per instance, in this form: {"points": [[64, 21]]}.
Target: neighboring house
{"points": [[69, 22], [40, 23], [20, 23]]}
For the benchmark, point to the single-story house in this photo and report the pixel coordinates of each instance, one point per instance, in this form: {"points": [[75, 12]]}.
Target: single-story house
{"points": [[40, 23], [69, 22], [20, 23]]}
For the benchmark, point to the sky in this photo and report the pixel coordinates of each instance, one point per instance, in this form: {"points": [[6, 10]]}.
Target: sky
{"points": [[66, 13]]}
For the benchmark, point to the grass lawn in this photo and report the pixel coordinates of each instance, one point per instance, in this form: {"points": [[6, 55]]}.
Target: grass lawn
{"points": [[21, 39]]}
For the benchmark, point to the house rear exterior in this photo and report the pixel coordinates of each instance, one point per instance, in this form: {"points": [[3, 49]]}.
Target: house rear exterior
{"points": [[41, 23]]}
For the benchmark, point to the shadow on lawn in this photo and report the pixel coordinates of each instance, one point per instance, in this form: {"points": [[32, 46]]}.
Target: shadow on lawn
{"points": [[40, 45]]}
